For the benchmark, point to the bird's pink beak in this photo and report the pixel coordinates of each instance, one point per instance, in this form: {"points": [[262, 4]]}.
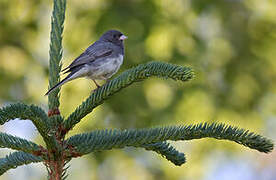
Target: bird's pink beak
{"points": [[123, 37]]}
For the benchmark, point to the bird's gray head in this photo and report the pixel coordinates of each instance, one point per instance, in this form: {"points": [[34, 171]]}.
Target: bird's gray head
{"points": [[113, 36]]}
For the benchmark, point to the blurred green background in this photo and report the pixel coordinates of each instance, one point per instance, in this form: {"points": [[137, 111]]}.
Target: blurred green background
{"points": [[231, 45]]}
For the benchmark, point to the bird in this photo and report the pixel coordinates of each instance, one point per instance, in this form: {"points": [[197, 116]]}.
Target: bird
{"points": [[100, 61]]}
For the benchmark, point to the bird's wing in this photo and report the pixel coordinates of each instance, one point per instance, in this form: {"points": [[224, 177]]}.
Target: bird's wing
{"points": [[90, 54]]}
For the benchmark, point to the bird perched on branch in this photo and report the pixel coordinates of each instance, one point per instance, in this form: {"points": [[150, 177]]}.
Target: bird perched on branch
{"points": [[99, 61]]}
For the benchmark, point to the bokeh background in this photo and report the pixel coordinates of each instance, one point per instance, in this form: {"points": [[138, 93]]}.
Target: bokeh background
{"points": [[231, 45]]}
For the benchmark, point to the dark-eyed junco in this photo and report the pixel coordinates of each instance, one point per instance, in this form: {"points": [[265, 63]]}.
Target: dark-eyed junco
{"points": [[99, 61]]}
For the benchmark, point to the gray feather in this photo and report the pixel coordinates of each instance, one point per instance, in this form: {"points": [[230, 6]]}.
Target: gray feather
{"points": [[59, 84], [101, 60]]}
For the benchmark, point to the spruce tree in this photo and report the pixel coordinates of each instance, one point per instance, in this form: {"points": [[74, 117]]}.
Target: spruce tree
{"points": [[53, 127]]}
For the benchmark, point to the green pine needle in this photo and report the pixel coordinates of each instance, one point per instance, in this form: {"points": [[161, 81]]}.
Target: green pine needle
{"points": [[55, 52], [53, 129], [167, 151], [26, 112], [16, 159], [136, 74], [17, 143], [108, 139]]}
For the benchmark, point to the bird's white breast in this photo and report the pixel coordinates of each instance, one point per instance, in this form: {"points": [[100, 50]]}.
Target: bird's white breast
{"points": [[106, 68]]}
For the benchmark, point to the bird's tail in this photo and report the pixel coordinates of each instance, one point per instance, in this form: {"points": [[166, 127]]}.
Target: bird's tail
{"points": [[68, 78]]}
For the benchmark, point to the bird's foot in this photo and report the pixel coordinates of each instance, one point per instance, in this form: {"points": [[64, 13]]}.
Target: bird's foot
{"points": [[95, 89], [96, 84], [107, 81]]}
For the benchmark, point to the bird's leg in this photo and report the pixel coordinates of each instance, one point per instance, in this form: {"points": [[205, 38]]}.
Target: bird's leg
{"points": [[96, 84], [107, 81]]}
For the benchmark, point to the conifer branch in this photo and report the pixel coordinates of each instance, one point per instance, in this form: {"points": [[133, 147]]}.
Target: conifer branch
{"points": [[55, 52], [16, 159], [25, 112], [136, 74], [167, 151], [53, 128], [17, 143], [108, 139]]}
